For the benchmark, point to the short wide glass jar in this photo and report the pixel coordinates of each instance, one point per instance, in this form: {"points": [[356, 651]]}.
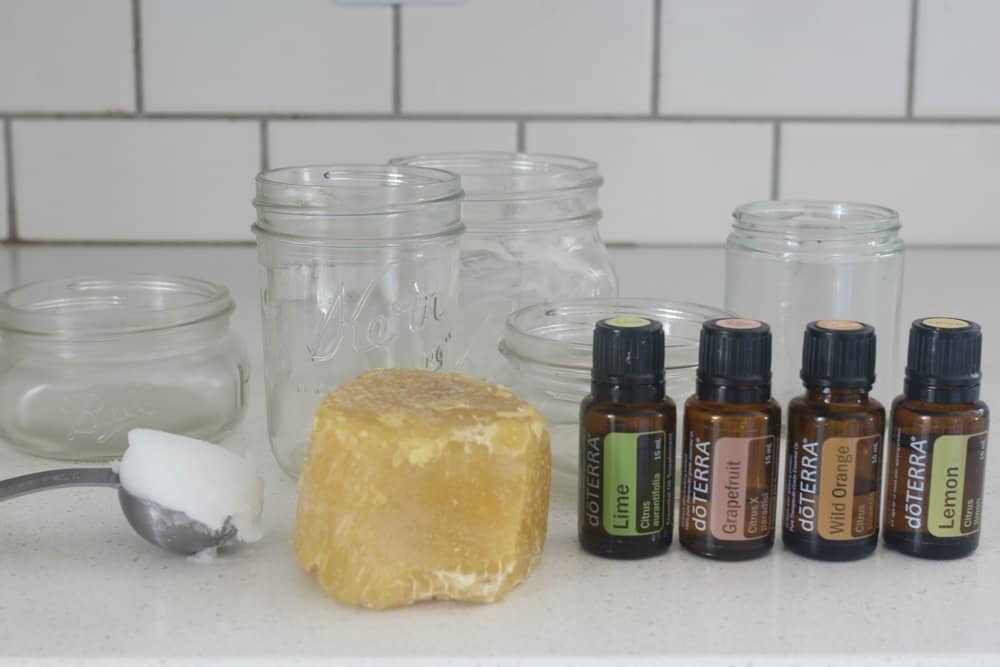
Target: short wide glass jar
{"points": [[359, 265], [549, 349], [791, 262], [85, 360], [531, 236]]}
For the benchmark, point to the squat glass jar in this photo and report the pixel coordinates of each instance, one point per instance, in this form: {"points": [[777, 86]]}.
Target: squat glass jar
{"points": [[548, 349], [531, 236], [85, 360], [359, 265], [792, 262]]}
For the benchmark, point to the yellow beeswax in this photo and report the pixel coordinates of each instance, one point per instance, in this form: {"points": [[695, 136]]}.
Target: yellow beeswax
{"points": [[421, 485]]}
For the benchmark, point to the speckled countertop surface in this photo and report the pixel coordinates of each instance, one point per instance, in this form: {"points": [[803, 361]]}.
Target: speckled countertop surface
{"points": [[76, 586]]}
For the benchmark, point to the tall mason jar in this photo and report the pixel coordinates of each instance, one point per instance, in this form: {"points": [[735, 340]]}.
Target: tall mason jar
{"points": [[791, 262], [531, 236], [359, 266]]}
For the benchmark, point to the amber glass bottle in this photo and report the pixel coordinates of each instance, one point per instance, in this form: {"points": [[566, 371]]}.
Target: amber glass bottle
{"points": [[937, 443], [833, 464], [732, 428], [627, 426]]}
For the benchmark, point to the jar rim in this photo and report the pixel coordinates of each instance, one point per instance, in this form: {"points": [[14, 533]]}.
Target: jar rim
{"points": [[90, 307], [815, 218], [494, 176], [410, 185], [558, 335], [357, 202]]}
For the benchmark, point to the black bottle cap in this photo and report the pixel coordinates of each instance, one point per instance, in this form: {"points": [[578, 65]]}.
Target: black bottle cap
{"points": [[838, 353], [628, 350], [943, 362], [734, 361]]}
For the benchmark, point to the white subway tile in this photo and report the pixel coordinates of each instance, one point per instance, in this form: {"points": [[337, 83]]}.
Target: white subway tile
{"points": [[312, 142], [526, 56], [135, 180], [941, 178], [66, 55], [784, 57], [958, 58], [667, 182], [291, 56]]}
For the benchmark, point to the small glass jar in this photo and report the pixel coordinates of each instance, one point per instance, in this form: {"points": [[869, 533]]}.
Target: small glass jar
{"points": [[549, 351], [792, 262], [531, 236], [359, 265], [84, 360]]}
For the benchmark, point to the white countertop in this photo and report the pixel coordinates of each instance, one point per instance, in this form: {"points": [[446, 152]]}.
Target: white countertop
{"points": [[76, 585]]}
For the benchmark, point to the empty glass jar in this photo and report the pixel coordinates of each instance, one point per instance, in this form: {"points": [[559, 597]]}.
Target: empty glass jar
{"points": [[549, 350], [85, 360], [531, 236], [358, 270], [791, 262]]}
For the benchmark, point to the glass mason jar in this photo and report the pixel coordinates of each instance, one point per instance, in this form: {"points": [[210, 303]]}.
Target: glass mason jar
{"points": [[549, 349], [530, 236], [791, 262], [358, 270], [85, 360]]}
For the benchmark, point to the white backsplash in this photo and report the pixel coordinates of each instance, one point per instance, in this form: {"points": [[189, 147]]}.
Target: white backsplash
{"points": [[147, 119]]}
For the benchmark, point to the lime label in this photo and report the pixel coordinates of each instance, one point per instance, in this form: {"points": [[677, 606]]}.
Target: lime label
{"points": [[956, 485], [634, 483]]}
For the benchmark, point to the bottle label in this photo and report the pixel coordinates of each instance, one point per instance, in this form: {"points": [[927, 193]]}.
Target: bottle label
{"points": [[956, 485], [833, 487], [936, 484], [848, 488], [741, 496], [634, 483]]}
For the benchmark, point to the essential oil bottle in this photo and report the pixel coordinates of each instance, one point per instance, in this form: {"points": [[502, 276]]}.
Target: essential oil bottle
{"points": [[833, 463], [732, 429], [937, 443], [627, 429]]}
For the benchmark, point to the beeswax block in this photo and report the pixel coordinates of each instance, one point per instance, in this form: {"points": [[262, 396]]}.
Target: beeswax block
{"points": [[421, 485]]}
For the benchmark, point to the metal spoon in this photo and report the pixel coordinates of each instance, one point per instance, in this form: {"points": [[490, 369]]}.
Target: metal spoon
{"points": [[166, 528]]}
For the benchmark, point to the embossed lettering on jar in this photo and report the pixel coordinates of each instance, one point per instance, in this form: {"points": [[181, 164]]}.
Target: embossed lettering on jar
{"points": [[358, 271]]}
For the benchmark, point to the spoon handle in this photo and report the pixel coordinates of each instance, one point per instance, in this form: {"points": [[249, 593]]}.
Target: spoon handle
{"points": [[54, 479]]}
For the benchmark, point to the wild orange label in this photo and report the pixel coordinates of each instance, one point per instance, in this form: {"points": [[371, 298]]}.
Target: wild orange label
{"points": [[847, 498], [833, 487]]}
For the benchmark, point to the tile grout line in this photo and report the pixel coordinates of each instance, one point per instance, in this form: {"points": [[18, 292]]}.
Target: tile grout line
{"points": [[140, 93], [8, 143], [115, 243], [654, 105], [498, 117], [911, 57], [775, 160], [624, 245], [397, 59], [521, 136], [265, 146]]}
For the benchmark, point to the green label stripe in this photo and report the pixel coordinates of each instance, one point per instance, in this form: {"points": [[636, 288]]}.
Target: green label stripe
{"points": [[634, 483], [947, 497]]}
